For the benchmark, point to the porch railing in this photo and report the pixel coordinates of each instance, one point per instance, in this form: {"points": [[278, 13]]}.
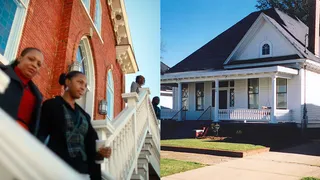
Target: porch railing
{"points": [[181, 113], [168, 113], [244, 114], [206, 115]]}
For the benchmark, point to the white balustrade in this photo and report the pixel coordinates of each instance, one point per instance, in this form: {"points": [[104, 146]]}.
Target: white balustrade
{"points": [[131, 127], [24, 157], [126, 135], [244, 114]]}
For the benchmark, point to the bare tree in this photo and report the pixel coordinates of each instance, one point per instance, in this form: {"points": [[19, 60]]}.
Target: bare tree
{"points": [[298, 8]]}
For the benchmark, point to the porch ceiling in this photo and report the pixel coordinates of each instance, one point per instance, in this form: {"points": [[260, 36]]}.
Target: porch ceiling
{"points": [[209, 75]]}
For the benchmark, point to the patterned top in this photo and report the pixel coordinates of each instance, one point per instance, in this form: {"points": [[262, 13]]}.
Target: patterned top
{"points": [[76, 130]]}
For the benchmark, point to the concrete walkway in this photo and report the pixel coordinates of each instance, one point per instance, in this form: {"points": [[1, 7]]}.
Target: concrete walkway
{"points": [[290, 164]]}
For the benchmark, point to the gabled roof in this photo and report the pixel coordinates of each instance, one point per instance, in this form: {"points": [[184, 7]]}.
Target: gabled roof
{"points": [[213, 54], [164, 68]]}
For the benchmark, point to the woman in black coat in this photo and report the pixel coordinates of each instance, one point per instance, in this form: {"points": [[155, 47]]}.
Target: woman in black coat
{"points": [[72, 136], [22, 99]]}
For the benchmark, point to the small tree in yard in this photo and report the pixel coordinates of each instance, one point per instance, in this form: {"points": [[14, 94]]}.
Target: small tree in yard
{"points": [[298, 8]]}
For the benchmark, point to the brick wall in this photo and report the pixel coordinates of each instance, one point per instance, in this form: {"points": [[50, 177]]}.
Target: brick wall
{"points": [[57, 32]]}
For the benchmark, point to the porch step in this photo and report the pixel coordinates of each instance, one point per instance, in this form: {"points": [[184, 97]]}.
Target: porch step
{"points": [[137, 177]]}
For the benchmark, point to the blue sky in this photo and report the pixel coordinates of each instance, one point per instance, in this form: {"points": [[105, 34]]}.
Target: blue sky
{"points": [[186, 25], [144, 23]]}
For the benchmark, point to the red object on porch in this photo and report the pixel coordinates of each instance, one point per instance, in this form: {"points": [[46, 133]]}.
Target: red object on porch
{"points": [[201, 133]]}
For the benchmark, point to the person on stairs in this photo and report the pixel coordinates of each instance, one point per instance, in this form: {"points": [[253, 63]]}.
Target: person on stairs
{"points": [[72, 136], [140, 80], [155, 103], [22, 99]]}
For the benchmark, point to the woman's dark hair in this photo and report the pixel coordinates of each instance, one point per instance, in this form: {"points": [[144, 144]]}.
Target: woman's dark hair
{"points": [[63, 77], [154, 99], [138, 77], [23, 53]]}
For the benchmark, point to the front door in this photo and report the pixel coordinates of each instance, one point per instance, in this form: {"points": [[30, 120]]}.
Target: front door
{"points": [[223, 99]]}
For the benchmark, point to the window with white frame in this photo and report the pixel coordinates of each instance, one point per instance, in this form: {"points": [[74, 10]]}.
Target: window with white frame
{"points": [[185, 96], [12, 17], [84, 57], [86, 4], [281, 93], [110, 95], [231, 96], [224, 85], [200, 96], [98, 16], [265, 49], [253, 93]]}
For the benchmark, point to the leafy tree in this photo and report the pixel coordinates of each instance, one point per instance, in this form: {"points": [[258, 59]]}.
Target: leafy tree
{"points": [[298, 8]]}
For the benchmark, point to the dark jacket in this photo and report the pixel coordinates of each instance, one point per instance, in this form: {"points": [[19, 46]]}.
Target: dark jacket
{"points": [[53, 123], [157, 111], [10, 100]]}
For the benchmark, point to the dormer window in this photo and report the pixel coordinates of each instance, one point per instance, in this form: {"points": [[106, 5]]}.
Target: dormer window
{"points": [[266, 49]]}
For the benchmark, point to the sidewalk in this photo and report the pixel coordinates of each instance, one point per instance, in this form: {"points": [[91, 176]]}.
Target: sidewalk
{"points": [[290, 164]]}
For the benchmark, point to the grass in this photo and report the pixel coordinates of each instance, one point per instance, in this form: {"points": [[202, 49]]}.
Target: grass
{"points": [[310, 178], [171, 166], [209, 144]]}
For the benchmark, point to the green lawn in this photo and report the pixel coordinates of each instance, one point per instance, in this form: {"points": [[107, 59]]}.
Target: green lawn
{"points": [[310, 178], [208, 144], [171, 166]]}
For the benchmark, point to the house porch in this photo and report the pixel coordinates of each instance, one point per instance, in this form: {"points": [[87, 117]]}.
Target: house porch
{"points": [[269, 94]]}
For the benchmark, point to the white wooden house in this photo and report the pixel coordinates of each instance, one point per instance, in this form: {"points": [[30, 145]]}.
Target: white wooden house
{"points": [[265, 68]]}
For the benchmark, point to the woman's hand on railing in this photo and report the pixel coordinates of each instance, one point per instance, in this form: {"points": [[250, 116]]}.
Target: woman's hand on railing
{"points": [[104, 152]]}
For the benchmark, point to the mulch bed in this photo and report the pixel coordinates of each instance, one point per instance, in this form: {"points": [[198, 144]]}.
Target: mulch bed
{"points": [[275, 144], [213, 138], [239, 154]]}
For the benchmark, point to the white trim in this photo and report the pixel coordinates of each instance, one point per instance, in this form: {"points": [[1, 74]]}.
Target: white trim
{"points": [[264, 63], [90, 73], [261, 48], [92, 23], [274, 99], [95, 15], [16, 30], [259, 88], [280, 33], [87, 9], [252, 30], [227, 74], [188, 100], [111, 87], [3, 60]]}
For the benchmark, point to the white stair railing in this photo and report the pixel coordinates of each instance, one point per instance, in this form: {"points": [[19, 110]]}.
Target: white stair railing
{"points": [[126, 135], [24, 157]]}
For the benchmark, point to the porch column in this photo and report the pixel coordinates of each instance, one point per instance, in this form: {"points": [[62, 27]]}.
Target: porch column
{"points": [[179, 99], [274, 99], [216, 103]]}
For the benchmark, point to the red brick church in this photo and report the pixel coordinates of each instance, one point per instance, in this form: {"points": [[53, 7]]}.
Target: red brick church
{"points": [[88, 35]]}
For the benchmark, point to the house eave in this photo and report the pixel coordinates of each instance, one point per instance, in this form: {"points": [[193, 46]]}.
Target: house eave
{"points": [[201, 76], [264, 64]]}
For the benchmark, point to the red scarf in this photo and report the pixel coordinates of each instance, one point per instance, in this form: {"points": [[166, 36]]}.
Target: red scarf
{"points": [[27, 102]]}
